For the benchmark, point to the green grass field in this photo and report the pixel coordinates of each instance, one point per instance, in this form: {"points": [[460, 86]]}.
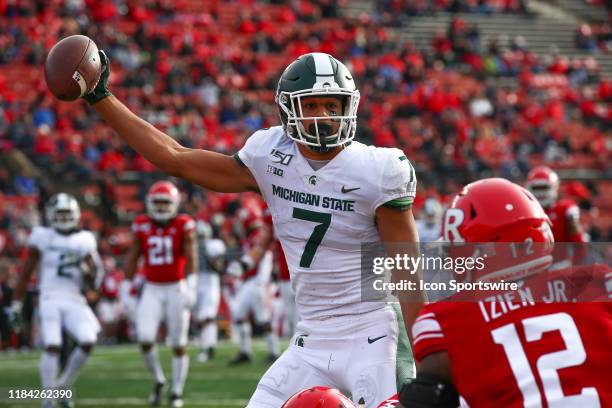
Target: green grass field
{"points": [[116, 376]]}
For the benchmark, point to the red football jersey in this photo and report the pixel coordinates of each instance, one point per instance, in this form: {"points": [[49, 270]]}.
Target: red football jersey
{"points": [[162, 247], [109, 288], [283, 268], [255, 224], [518, 351], [561, 213]]}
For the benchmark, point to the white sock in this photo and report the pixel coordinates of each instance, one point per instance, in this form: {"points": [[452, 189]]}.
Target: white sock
{"points": [[49, 366], [75, 362], [272, 340], [211, 334], [235, 337], [180, 366], [203, 342], [152, 359], [244, 330]]}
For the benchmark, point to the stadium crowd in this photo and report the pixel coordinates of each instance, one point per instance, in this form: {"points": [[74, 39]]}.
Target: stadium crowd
{"points": [[205, 71]]}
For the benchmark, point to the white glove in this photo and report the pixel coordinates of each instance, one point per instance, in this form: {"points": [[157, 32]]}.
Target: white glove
{"points": [[190, 292], [125, 287], [235, 269], [247, 262], [126, 303], [13, 315], [15, 308]]}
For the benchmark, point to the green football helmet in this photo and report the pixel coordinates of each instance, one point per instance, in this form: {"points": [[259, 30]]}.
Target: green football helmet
{"points": [[317, 74]]}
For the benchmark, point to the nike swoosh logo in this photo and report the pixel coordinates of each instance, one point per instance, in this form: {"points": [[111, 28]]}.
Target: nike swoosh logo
{"points": [[348, 190], [370, 341]]}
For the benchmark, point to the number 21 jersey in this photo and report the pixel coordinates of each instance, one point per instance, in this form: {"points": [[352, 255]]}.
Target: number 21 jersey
{"points": [[161, 246]]}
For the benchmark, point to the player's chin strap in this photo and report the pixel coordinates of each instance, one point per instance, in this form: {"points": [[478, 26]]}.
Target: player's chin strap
{"points": [[429, 391]]}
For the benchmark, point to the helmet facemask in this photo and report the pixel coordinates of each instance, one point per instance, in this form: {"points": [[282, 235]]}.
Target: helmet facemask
{"points": [[545, 192], [317, 135], [63, 212], [317, 75], [161, 207]]}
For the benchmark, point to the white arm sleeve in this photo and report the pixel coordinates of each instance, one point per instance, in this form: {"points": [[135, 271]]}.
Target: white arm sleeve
{"points": [[398, 179], [247, 155]]}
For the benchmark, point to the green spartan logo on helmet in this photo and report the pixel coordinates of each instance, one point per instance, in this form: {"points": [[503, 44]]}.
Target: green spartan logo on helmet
{"points": [[317, 74]]}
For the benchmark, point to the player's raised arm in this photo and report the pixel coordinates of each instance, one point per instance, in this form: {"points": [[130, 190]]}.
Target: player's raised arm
{"points": [[208, 169]]}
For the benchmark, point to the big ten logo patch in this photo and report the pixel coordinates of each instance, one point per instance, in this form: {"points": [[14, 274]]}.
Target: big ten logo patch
{"points": [[275, 170]]}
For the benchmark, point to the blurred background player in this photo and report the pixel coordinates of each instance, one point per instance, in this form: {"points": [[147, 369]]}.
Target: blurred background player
{"points": [[253, 268], [563, 213], [68, 263], [108, 308], [290, 315], [429, 225], [211, 253], [547, 344], [166, 241]]}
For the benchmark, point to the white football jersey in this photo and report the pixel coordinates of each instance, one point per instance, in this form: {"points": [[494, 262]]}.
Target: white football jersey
{"points": [[428, 232], [322, 217], [60, 257], [209, 249]]}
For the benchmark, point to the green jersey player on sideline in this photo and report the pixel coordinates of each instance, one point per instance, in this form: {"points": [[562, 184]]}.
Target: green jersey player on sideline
{"points": [[327, 194]]}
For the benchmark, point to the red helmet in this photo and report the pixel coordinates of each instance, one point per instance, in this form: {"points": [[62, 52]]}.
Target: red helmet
{"points": [[163, 201], [543, 183], [494, 211], [390, 402], [318, 397]]}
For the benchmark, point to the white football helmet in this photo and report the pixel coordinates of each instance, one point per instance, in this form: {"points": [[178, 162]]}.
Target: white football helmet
{"points": [[63, 212], [432, 211], [204, 230]]}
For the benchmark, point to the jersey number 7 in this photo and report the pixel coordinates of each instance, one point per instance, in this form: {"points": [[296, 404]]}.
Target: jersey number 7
{"points": [[324, 220], [547, 364]]}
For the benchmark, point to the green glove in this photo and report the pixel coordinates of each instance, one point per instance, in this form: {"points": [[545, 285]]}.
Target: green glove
{"points": [[101, 90]]}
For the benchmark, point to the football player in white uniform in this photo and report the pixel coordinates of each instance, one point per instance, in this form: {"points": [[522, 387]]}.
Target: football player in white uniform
{"points": [[68, 264], [327, 194], [429, 224], [211, 252]]}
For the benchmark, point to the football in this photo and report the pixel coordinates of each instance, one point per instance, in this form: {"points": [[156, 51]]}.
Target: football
{"points": [[73, 67]]}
